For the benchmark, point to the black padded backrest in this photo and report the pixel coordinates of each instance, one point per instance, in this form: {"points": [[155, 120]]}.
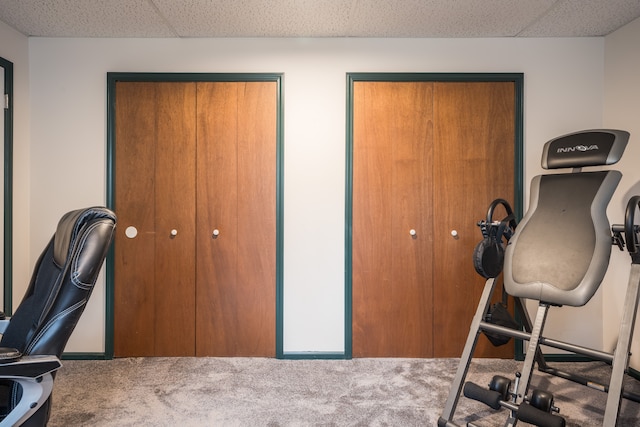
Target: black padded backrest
{"points": [[62, 282], [585, 148], [560, 251]]}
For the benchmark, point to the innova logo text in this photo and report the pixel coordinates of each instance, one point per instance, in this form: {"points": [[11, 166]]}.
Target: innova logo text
{"points": [[577, 148]]}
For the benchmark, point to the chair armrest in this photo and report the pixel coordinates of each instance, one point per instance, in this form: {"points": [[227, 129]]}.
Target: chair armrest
{"points": [[30, 367]]}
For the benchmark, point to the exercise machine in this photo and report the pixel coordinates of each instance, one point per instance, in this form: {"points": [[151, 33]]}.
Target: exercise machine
{"points": [[557, 255]]}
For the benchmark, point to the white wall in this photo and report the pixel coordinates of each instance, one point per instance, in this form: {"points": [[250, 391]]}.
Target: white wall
{"points": [[622, 110], [14, 47], [563, 92]]}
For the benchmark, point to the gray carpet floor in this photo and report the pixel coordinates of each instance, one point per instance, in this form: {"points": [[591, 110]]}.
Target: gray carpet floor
{"points": [[270, 392]]}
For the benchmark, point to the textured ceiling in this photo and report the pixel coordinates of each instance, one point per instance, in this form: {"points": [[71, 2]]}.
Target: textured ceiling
{"points": [[317, 18]]}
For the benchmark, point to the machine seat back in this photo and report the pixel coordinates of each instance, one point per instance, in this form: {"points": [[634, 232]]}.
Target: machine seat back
{"points": [[560, 251]]}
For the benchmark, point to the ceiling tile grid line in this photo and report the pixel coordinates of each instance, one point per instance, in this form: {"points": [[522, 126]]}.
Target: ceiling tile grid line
{"points": [[164, 18]]}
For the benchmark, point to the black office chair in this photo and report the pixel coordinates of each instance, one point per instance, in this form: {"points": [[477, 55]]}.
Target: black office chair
{"points": [[35, 336], [558, 256]]}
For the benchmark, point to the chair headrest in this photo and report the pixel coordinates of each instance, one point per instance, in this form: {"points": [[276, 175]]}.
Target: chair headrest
{"points": [[585, 148], [70, 225]]}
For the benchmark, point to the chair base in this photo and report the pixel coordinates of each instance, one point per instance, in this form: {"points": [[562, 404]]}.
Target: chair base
{"points": [[35, 376]]}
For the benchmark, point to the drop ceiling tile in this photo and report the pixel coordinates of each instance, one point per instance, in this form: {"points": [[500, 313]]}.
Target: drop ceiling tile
{"points": [[435, 18], [579, 18], [257, 18], [85, 18]]}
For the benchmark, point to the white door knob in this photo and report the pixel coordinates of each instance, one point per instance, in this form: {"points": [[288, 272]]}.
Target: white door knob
{"points": [[412, 232], [454, 233], [174, 232], [215, 233], [131, 232]]}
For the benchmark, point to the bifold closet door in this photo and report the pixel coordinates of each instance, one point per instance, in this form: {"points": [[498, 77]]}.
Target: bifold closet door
{"points": [[428, 159], [474, 157], [392, 219], [235, 308], [195, 192], [155, 197]]}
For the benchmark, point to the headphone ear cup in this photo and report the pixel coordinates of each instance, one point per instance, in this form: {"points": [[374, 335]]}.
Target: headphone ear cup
{"points": [[488, 258], [478, 254]]}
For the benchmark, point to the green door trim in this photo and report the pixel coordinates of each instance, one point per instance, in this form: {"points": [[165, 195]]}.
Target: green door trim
{"points": [[8, 187], [516, 78], [112, 79]]}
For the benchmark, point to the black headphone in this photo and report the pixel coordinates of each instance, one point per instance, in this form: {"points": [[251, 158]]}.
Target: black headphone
{"points": [[488, 255]]}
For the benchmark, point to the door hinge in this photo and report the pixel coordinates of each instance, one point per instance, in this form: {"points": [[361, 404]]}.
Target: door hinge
{"points": [[6, 101]]}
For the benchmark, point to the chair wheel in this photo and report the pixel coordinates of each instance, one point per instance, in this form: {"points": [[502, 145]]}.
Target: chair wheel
{"points": [[501, 385], [542, 400]]}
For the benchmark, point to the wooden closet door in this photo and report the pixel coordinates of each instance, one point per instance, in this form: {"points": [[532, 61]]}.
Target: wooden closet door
{"points": [[155, 193], [178, 292], [392, 192], [257, 120], [473, 165], [235, 306], [428, 157]]}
